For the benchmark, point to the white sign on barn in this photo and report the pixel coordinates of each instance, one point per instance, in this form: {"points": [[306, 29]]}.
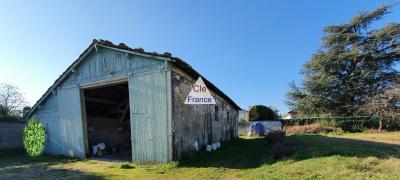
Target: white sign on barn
{"points": [[199, 94]]}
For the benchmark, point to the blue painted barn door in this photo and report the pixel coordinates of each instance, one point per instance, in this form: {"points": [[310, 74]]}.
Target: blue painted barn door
{"points": [[71, 121], [150, 122]]}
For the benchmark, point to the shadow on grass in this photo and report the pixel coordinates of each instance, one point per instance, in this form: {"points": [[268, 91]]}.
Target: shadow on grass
{"points": [[44, 172], [20, 157], [237, 154], [310, 146], [16, 164], [252, 153]]}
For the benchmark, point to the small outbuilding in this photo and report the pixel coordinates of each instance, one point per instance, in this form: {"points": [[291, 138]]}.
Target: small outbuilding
{"points": [[132, 102], [289, 115]]}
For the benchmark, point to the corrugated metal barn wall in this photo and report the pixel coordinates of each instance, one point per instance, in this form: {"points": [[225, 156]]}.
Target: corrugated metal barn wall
{"points": [[71, 124], [65, 132], [150, 116], [48, 113]]}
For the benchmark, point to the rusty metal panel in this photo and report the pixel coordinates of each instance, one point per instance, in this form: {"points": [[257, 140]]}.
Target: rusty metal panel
{"points": [[71, 121], [148, 95]]}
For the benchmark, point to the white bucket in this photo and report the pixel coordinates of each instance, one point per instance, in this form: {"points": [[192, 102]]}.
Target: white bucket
{"points": [[196, 146], [209, 148], [214, 146]]}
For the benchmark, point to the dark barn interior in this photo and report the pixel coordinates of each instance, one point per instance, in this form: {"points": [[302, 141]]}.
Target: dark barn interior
{"points": [[108, 122]]}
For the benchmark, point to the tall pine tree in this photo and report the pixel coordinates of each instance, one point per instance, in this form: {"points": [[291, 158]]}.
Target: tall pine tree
{"points": [[354, 63]]}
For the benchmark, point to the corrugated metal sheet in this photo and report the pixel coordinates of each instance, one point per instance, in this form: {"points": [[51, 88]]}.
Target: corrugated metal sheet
{"points": [[71, 128], [110, 64], [49, 115], [150, 117], [61, 111], [175, 61]]}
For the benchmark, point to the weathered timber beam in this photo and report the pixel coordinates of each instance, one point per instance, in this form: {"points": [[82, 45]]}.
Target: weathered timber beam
{"points": [[103, 101]]}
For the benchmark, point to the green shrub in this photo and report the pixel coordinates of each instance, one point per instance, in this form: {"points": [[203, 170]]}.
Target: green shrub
{"points": [[260, 112], [34, 137]]}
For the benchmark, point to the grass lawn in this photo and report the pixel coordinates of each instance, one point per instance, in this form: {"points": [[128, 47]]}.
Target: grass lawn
{"points": [[348, 156]]}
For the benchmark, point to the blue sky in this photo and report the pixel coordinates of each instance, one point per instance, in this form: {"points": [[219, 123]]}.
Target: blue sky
{"points": [[250, 49]]}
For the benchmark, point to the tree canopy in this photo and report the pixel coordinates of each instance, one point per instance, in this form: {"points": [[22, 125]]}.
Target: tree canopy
{"points": [[260, 112], [11, 100], [385, 105], [354, 63]]}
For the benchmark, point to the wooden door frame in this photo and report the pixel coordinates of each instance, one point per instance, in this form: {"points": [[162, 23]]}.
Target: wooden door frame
{"points": [[94, 85]]}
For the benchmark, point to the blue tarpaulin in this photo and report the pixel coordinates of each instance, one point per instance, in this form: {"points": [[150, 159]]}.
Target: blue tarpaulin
{"points": [[257, 128]]}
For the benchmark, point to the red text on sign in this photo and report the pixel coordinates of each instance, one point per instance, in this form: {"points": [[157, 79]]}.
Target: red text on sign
{"points": [[198, 88]]}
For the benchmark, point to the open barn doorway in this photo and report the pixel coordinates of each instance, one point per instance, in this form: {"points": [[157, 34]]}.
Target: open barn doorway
{"points": [[108, 122]]}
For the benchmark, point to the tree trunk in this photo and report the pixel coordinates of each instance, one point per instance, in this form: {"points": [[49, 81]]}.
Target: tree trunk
{"points": [[380, 124]]}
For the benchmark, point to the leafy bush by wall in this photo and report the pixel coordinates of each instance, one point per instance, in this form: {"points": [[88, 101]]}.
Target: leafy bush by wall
{"points": [[260, 112], [34, 137]]}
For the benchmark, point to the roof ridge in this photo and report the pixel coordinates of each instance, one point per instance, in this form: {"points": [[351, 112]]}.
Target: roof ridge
{"points": [[138, 49]]}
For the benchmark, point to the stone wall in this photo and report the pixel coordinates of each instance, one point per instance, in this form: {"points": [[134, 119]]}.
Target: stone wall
{"points": [[11, 135], [199, 123]]}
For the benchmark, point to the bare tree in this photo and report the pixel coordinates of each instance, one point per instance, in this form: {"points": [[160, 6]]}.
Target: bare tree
{"points": [[385, 105], [11, 99]]}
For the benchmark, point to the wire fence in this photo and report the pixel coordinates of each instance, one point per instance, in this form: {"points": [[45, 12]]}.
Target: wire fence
{"points": [[354, 123]]}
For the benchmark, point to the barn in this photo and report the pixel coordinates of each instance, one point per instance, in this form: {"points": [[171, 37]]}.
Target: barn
{"points": [[132, 101]]}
